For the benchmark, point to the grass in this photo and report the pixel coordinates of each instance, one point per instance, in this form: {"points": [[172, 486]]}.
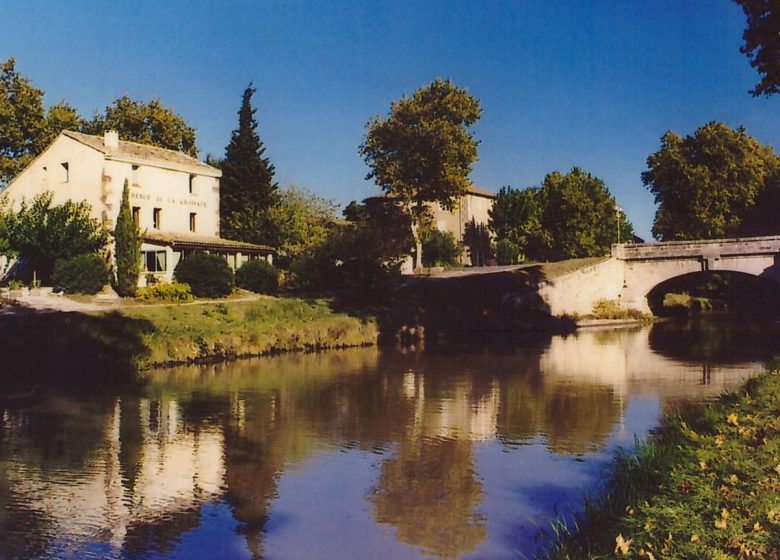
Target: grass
{"points": [[186, 333], [706, 486]]}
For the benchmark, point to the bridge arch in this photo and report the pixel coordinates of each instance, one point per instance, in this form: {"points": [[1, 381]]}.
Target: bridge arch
{"points": [[646, 266]]}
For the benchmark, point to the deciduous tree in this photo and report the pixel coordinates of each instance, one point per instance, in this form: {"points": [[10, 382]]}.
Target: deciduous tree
{"points": [[127, 243], [146, 123], [301, 220], [247, 190], [762, 43], [42, 233], [705, 184], [423, 152]]}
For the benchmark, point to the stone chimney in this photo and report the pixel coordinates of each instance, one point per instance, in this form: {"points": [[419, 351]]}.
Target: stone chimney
{"points": [[111, 139]]}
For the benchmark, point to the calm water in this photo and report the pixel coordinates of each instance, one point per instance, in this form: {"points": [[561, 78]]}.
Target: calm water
{"points": [[352, 454]]}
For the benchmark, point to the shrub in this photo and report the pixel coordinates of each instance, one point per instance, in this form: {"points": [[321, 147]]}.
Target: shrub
{"points": [[610, 309], [174, 292], [507, 252], [440, 249], [257, 276], [82, 274], [207, 275]]}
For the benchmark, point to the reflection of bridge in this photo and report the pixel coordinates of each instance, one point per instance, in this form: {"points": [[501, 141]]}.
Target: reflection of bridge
{"points": [[633, 270]]}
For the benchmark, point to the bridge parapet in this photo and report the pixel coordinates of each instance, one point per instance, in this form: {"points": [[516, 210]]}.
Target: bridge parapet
{"points": [[711, 248]]}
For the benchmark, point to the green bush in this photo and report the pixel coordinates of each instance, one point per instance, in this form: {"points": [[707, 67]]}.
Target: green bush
{"points": [[610, 309], [82, 274], [507, 252], [174, 292], [207, 275], [257, 276], [440, 249]]}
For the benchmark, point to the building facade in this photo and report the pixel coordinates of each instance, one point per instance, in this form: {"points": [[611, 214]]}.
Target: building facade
{"points": [[174, 198]]}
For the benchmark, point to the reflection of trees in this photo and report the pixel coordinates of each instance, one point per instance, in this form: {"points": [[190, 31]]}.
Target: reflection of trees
{"points": [[429, 492]]}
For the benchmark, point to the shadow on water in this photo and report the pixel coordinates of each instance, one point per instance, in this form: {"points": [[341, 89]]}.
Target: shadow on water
{"points": [[724, 339], [71, 351]]}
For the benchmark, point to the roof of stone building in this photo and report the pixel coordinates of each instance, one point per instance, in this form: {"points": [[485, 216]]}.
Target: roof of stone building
{"points": [[480, 192], [145, 154], [196, 241]]}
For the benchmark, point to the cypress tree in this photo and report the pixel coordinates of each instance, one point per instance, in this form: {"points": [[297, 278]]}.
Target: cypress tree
{"points": [[247, 190], [128, 248]]}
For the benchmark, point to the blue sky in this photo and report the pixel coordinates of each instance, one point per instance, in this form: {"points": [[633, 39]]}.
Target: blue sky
{"points": [[588, 83]]}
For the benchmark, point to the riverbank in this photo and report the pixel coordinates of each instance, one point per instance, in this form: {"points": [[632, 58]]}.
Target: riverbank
{"points": [[706, 486], [111, 346]]}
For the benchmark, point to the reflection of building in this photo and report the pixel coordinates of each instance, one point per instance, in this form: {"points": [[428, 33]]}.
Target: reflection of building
{"points": [[155, 476], [174, 198]]}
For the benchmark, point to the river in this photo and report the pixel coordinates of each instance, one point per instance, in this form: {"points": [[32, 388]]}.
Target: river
{"points": [[445, 452]]}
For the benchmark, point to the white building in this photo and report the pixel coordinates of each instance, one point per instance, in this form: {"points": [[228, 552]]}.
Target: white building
{"points": [[174, 197]]}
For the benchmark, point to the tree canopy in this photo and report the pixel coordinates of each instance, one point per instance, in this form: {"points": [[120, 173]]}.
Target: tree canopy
{"points": [[25, 127], [706, 184], [423, 152], [571, 215], [248, 190], [146, 123], [762, 43], [42, 233], [302, 220]]}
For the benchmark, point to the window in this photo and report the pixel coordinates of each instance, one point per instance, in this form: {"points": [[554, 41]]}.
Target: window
{"points": [[65, 173], [156, 214], [192, 184], [192, 221], [137, 216], [134, 175], [154, 261]]}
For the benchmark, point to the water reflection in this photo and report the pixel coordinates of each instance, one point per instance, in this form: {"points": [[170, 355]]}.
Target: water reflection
{"points": [[438, 453]]}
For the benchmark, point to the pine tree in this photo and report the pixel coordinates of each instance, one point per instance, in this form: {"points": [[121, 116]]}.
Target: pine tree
{"points": [[247, 190], [128, 248]]}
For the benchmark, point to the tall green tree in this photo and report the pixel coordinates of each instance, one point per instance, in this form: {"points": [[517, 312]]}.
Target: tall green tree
{"points": [[25, 127], [248, 191], [146, 123], [706, 184], [423, 152], [762, 43], [302, 221], [42, 233], [127, 242], [570, 215], [578, 217]]}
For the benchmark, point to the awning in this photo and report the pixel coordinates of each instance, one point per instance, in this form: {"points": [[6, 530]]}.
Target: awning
{"points": [[191, 241]]}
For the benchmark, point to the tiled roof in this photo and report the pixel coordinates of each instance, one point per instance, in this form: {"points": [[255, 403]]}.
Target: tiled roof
{"points": [[195, 241], [134, 152]]}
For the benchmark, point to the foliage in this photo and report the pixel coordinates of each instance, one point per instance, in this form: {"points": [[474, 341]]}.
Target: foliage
{"points": [[422, 153], [477, 238], [81, 274], [610, 309], [706, 184], [440, 248], [207, 275], [705, 486], [25, 128], [507, 252], [762, 46], [247, 190], [257, 276], [146, 123], [570, 216], [43, 233], [515, 217], [128, 248], [301, 220], [174, 292], [362, 256], [5, 218]]}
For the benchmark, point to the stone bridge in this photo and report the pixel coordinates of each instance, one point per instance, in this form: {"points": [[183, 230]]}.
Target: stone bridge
{"points": [[634, 270]]}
